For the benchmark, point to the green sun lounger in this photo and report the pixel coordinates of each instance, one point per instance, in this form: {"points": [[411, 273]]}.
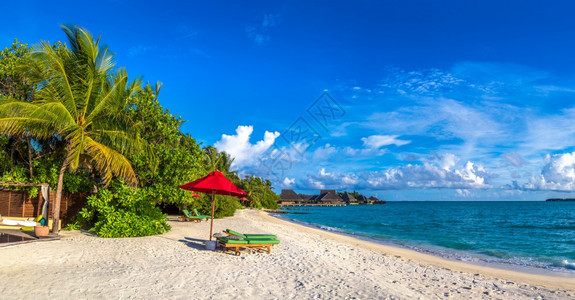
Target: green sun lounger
{"points": [[228, 243], [200, 215], [189, 217], [250, 235]]}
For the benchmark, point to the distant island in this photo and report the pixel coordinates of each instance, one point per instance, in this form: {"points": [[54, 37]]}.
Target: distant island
{"points": [[325, 198], [559, 199]]}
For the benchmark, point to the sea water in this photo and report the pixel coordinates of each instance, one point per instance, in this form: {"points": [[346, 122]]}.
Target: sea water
{"points": [[530, 234]]}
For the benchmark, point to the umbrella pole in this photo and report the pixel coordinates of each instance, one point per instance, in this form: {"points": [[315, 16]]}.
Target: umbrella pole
{"points": [[213, 209]]}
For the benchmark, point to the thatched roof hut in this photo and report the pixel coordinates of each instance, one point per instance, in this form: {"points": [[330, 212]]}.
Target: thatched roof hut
{"points": [[329, 197], [308, 198], [288, 197], [349, 198], [362, 199]]}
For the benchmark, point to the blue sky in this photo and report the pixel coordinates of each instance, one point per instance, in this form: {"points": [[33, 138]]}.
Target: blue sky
{"points": [[405, 100]]}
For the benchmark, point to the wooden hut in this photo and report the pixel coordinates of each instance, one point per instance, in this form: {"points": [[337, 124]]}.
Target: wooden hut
{"points": [[308, 198], [289, 197], [329, 197], [362, 199], [349, 199]]}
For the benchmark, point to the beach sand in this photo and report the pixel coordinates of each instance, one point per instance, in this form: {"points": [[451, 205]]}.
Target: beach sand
{"points": [[309, 263]]}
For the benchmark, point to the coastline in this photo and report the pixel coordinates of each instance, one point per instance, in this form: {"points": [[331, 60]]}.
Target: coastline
{"points": [[308, 263], [550, 281], [436, 253]]}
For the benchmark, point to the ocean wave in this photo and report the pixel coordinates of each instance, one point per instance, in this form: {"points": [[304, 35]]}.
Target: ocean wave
{"points": [[566, 264], [332, 229]]}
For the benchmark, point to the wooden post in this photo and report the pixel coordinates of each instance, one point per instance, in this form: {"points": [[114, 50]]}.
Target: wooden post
{"points": [[213, 210]]}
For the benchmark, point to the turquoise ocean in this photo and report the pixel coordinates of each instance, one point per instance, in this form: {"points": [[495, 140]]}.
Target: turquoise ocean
{"points": [[536, 235]]}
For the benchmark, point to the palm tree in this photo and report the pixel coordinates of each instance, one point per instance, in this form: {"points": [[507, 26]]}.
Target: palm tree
{"points": [[81, 101], [215, 160]]}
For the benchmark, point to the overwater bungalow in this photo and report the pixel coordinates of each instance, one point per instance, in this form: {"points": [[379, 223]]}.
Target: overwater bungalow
{"points": [[308, 198], [329, 197], [361, 199], [289, 197], [349, 199]]}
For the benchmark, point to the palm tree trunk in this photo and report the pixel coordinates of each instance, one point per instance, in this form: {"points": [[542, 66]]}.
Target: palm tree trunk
{"points": [[30, 157], [55, 225]]}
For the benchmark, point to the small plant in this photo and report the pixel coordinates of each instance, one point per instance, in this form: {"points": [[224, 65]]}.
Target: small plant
{"points": [[119, 211]]}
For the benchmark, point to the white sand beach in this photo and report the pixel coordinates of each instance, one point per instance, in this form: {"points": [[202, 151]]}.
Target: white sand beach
{"points": [[309, 263]]}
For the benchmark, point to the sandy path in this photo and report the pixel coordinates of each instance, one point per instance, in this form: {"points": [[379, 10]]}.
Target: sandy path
{"points": [[307, 264]]}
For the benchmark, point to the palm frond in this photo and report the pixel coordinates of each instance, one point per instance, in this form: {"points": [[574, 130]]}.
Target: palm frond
{"points": [[109, 98], [76, 145], [109, 162], [58, 79]]}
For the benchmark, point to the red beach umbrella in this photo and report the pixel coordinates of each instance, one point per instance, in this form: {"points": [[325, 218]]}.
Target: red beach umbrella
{"points": [[214, 183]]}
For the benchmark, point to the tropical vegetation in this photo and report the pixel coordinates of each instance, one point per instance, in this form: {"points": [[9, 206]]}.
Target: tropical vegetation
{"points": [[71, 118]]}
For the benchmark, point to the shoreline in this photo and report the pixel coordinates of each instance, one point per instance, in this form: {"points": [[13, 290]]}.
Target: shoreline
{"points": [[492, 264], [550, 281]]}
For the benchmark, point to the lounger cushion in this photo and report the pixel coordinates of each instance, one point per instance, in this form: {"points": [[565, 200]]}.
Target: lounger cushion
{"points": [[236, 233], [250, 236], [263, 241], [260, 236], [230, 241], [199, 214]]}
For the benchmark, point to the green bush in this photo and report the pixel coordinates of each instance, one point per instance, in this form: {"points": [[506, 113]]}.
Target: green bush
{"points": [[119, 211], [225, 205]]}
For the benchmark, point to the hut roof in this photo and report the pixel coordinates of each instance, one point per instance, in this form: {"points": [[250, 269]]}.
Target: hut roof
{"points": [[289, 195], [328, 196], [347, 197], [308, 197], [373, 198], [362, 198]]}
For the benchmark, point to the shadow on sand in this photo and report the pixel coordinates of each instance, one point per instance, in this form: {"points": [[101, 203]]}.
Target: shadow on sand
{"points": [[194, 243]]}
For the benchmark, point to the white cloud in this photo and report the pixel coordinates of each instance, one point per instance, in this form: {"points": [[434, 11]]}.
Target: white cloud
{"points": [[554, 132], [440, 174], [288, 183], [239, 147], [447, 161], [463, 193], [429, 176], [328, 152], [514, 159], [558, 174], [363, 153], [334, 180], [323, 153], [378, 141], [314, 184]]}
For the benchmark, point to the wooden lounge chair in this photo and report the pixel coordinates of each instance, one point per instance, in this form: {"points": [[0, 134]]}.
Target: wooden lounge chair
{"points": [[25, 224], [200, 215], [189, 217], [227, 243]]}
